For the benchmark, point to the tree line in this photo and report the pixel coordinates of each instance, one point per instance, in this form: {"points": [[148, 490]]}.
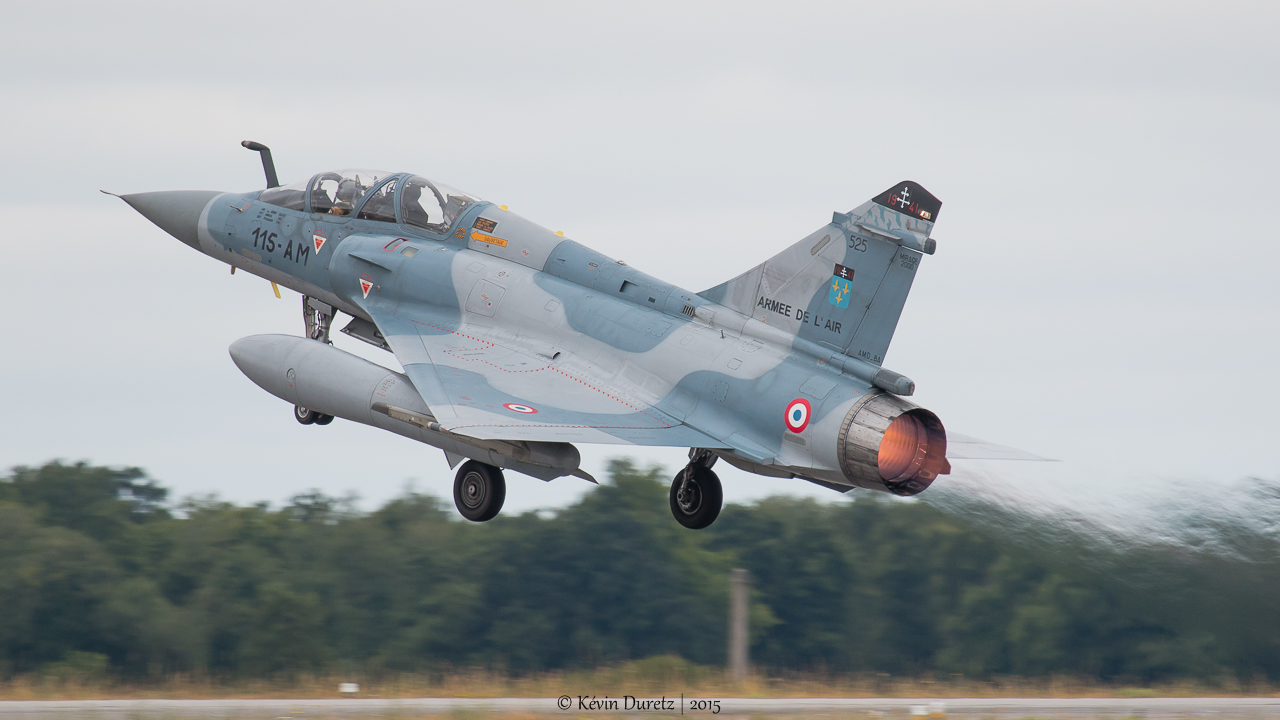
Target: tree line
{"points": [[97, 562]]}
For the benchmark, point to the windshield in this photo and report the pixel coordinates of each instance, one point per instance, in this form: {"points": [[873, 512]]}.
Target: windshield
{"points": [[292, 196], [338, 193], [432, 206]]}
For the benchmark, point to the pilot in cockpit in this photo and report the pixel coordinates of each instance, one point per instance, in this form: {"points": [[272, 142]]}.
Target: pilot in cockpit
{"points": [[324, 194], [410, 205], [349, 191], [320, 199]]}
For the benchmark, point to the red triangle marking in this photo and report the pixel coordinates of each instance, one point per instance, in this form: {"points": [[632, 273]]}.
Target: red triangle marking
{"points": [[366, 286]]}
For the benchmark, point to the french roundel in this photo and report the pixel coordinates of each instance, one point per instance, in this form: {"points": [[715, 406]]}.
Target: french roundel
{"points": [[522, 409], [798, 415]]}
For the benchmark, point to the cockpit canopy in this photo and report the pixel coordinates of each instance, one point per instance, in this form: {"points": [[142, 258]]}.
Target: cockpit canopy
{"points": [[374, 195], [432, 206], [338, 193]]}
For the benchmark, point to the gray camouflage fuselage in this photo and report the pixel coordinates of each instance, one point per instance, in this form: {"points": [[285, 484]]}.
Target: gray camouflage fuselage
{"points": [[517, 341]]}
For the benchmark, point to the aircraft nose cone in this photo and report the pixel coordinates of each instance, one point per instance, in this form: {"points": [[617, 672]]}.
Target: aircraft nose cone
{"points": [[177, 212]]}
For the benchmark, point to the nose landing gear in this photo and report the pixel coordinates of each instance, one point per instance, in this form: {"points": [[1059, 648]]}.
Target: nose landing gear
{"points": [[696, 493], [479, 491], [317, 316]]}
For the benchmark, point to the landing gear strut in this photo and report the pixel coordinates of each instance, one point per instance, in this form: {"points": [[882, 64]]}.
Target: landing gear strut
{"points": [[696, 494], [318, 317], [479, 491]]}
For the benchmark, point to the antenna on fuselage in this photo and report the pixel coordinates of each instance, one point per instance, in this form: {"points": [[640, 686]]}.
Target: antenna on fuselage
{"points": [[268, 165]]}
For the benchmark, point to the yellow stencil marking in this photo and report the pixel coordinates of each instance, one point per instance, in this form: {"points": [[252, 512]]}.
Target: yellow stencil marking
{"points": [[481, 237]]}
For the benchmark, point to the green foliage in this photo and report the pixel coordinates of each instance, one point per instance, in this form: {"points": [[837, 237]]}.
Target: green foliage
{"points": [[79, 667], [99, 502], [97, 576]]}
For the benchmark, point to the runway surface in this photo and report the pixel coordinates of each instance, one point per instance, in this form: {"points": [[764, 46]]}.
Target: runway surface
{"points": [[905, 709]]}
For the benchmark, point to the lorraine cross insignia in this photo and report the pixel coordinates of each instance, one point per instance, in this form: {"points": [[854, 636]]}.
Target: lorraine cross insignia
{"points": [[904, 198]]}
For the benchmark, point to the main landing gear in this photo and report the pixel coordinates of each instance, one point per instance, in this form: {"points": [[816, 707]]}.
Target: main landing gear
{"points": [[696, 494], [479, 491]]}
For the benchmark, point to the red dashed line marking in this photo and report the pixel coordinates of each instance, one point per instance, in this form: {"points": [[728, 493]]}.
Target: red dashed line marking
{"points": [[489, 344], [453, 332], [454, 353], [583, 427]]}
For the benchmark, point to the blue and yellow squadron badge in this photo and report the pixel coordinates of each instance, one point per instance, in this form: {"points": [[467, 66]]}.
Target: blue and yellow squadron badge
{"points": [[841, 286]]}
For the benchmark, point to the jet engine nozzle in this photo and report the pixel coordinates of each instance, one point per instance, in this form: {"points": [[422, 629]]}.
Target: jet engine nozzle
{"points": [[888, 444]]}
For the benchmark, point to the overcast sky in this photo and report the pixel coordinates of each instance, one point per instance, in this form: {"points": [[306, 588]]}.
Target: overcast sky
{"points": [[1103, 292]]}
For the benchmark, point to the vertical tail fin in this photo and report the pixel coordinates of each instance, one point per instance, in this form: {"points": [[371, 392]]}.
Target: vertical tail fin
{"points": [[843, 286]]}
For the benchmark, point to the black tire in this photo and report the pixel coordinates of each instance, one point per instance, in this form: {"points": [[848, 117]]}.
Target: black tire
{"points": [[304, 415], [324, 419], [701, 505], [479, 491]]}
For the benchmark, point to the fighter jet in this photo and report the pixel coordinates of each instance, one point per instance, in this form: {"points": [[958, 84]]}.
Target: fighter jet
{"points": [[517, 342]]}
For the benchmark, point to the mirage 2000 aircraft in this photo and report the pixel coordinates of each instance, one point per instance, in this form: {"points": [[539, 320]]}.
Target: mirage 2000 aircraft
{"points": [[517, 342]]}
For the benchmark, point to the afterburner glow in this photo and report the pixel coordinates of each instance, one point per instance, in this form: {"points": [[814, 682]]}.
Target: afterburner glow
{"points": [[903, 449]]}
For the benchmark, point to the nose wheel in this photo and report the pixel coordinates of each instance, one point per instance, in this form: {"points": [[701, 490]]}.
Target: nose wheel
{"points": [[696, 493], [479, 491]]}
